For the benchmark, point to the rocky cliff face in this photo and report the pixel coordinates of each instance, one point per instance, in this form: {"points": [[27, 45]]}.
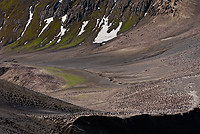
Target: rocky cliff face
{"points": [[36, 25]]}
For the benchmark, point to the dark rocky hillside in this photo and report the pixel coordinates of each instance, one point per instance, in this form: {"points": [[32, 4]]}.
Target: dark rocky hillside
{"points": [[36, 25], [20, 96]]}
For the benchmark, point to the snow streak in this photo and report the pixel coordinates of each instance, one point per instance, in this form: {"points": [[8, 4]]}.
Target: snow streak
{"points": [[83, 27], [29, 21], [48, 21]]}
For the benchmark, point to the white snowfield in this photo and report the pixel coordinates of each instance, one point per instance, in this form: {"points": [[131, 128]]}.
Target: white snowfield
{"points": [[48, 21], [83, 27], [103, 35]]}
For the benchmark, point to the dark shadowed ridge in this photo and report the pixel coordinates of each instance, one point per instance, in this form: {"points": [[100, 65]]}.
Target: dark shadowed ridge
{"points": [[187, 123]]}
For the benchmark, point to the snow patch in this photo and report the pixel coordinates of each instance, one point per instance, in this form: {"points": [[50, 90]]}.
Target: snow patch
{"points": [[0, 28], [1, 41], [103, 35], [60, 1], [83, 27], [25, 43], [145, 14], [37, 4], [96, 24], [113, 6], [43, 40], [62, 33], [48, 21], [19, 38], [64, 18], [59, 40], [29, 21], [102, 21], [169, 38], [50, 42], [63, 30]]}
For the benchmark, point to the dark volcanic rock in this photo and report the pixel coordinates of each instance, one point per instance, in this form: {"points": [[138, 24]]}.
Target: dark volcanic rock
{"points": [[77, 10], [163, 7], [3, 70], [142, 124]]}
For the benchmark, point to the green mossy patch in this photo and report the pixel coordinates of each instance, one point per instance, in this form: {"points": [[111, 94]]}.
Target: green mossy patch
{"points": [[70, 78], [96, 14], [127, 25], [9, 6]]}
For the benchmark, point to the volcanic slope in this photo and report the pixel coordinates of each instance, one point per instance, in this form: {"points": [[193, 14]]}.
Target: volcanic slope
{"points": [[154, 66], [23, 110]]}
